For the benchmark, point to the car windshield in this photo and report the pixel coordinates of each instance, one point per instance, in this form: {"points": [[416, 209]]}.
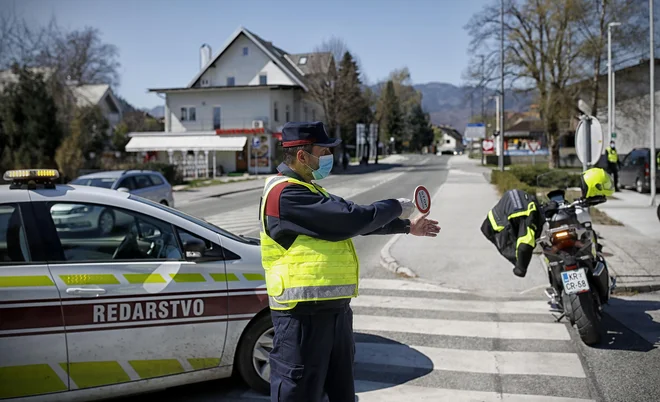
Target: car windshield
{"points": [[195, 220], [106, 182]]}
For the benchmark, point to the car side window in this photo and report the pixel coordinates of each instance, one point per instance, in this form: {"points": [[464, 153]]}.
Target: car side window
{"points": [[128, 183], [91, 232], [142, 181], [13, 242], [156, 180], [199, 249]]}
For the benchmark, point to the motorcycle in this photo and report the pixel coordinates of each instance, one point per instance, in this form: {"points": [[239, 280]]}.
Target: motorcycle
{"points": [[580, 282]]}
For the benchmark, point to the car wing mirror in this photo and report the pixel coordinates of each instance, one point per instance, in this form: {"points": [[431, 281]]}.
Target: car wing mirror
{"points": [[123, 190], [194, 249]]}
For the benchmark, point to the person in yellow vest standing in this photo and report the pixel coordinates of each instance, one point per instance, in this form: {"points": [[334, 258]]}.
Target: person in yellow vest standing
{"points": [[312, 269], [613, 164]]}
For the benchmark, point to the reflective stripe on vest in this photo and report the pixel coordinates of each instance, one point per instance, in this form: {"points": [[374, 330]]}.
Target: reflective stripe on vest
{"points": [[612, 156], [311, 269]]}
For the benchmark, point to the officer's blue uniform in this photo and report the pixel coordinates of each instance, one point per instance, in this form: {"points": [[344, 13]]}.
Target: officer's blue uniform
{"points": [[313, 348]]}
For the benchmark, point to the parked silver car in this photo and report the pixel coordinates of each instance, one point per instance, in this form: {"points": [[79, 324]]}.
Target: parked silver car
{"points": [[143, 183]]}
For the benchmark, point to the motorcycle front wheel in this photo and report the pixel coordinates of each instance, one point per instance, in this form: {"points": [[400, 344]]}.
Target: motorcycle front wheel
{"points": [[584, 313]]}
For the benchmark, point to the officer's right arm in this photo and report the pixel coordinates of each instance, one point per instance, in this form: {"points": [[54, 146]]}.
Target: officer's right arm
{"points": [[332, 219]]}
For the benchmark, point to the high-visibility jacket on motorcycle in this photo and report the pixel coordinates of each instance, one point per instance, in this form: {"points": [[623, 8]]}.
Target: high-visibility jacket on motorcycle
{"points": [[612, 156], [310, 269], [513, 225]]}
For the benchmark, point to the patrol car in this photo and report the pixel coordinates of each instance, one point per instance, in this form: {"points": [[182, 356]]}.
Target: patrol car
{"points": [[163, 300]]}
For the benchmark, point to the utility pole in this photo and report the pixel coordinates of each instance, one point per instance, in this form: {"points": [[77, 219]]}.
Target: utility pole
{"points": [[501, 139], [652, 105], [610, 86], [483, 111]]}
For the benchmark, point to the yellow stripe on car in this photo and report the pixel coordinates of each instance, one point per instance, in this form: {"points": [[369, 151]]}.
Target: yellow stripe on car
{"points": [[254, 277], [205, 362], [187, 277], [90, 279], [156, 368], [144, 278], [95, 374], [224, 277], [25, 281], [33, 379]]}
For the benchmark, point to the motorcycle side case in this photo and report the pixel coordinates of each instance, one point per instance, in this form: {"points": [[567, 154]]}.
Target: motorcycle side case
{"points": [[601, 279]]}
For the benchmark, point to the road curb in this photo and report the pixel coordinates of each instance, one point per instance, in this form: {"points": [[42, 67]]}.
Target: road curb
{"points": [[390, 263]]}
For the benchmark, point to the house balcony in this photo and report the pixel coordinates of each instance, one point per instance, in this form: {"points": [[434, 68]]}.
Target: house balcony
{"points": [[246, 125]]}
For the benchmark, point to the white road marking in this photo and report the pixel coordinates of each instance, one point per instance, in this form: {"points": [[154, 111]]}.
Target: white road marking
{"points": [[470, 306], [399, 284], [478, 329], [472, 361]]}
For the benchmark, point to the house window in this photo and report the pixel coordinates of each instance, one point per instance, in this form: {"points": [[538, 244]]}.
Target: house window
{"points": [[231, 81], [263, 79], [302, 61], [188, 113], [313, 115], [287, 114], [305, 113], [276, 112], [245, 51], [217, 120]]}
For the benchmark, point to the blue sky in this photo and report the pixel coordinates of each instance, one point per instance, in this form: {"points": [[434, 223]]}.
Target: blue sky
{"points": [[159, 40]]}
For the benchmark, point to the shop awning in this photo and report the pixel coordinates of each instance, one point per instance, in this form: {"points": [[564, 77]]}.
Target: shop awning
{"points": [[186, 142]]}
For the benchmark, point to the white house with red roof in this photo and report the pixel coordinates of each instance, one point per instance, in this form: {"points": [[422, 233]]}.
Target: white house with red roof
{"points": [[230, 115]]}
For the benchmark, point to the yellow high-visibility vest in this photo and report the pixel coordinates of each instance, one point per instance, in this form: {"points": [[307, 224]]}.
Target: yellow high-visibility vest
{"points": [[612, 156], [311, 269]]}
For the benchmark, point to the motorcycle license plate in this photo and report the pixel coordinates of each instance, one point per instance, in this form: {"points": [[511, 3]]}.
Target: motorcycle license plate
{"points": [[575, 281]]}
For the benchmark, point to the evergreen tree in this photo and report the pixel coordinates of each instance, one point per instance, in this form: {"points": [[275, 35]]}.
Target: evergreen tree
{"points": [[352, 106], [390, 116], [420, 125], [30, 129]]}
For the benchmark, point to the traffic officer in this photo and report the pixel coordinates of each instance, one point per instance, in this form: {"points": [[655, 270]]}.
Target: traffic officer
{"points": [[312, 269], [613, 164]]}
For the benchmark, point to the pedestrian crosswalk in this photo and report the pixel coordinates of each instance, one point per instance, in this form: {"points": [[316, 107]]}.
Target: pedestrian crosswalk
{"points": [[420, 342]]}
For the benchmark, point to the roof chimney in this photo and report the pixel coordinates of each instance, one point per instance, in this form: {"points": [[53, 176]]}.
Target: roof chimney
{"points": [[204, 55]]}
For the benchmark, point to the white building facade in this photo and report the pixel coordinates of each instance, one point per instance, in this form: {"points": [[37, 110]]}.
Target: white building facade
{"points": [[229, 117]]}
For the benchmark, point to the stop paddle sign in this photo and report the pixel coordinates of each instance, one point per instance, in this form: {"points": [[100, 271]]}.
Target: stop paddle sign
{"points": [[422, 199]]}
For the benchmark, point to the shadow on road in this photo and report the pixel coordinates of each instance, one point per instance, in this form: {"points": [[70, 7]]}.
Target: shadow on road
{"points": [[362, 169], [627, 325]]}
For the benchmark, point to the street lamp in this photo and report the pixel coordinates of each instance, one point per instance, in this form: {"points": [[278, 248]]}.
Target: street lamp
{"points": [[610, 94]]}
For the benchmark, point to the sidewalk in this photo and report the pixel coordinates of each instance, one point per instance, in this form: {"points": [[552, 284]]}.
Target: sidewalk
{"points": [[247, 183], [461, 257]]}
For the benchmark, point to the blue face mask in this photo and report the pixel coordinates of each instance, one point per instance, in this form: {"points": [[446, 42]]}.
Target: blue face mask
{"points": [[325, 166]]}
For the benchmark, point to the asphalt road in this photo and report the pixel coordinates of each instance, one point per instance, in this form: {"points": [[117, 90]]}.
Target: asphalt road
{"points": [[417, 340]]}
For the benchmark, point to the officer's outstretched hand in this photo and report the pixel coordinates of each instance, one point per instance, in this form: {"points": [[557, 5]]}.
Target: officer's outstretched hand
{"points": [[422, 226]]}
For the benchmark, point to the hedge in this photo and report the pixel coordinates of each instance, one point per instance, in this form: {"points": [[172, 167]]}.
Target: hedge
{"points": [[524, 177]]}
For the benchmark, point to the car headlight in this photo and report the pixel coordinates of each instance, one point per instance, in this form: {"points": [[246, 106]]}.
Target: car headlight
{"points": [[80, 210]]}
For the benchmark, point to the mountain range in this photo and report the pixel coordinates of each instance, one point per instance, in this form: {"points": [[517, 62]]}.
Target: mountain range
{"points": [[448, 104]]}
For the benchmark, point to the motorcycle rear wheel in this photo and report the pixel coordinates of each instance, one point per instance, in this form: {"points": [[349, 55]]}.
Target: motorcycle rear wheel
{"points": [[585, 315]]}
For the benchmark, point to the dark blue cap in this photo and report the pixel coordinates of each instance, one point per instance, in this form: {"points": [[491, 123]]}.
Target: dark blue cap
{"points": [[295, 134]]}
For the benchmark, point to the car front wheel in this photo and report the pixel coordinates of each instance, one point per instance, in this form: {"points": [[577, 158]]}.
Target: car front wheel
{"points": [[253, 354]]}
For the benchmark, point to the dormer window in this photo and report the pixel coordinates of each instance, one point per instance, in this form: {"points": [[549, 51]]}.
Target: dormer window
{"points": [[303, 60]]}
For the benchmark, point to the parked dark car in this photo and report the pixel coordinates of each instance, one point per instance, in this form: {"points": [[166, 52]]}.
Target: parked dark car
{"points": [[635, 171]]}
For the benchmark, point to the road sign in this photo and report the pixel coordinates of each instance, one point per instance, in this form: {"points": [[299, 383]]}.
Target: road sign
{"points": [[595, 140], [533, 146], [422, 199], [475, 130], [488, 147], [256, 142], [613, 135]]}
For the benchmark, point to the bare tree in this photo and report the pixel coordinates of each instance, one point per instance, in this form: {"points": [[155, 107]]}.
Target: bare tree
{"points": [[538, 54], [78, 55], [322, 78]]}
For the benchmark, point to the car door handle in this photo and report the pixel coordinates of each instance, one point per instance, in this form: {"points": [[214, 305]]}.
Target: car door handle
{"points": [[85, 291]]}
